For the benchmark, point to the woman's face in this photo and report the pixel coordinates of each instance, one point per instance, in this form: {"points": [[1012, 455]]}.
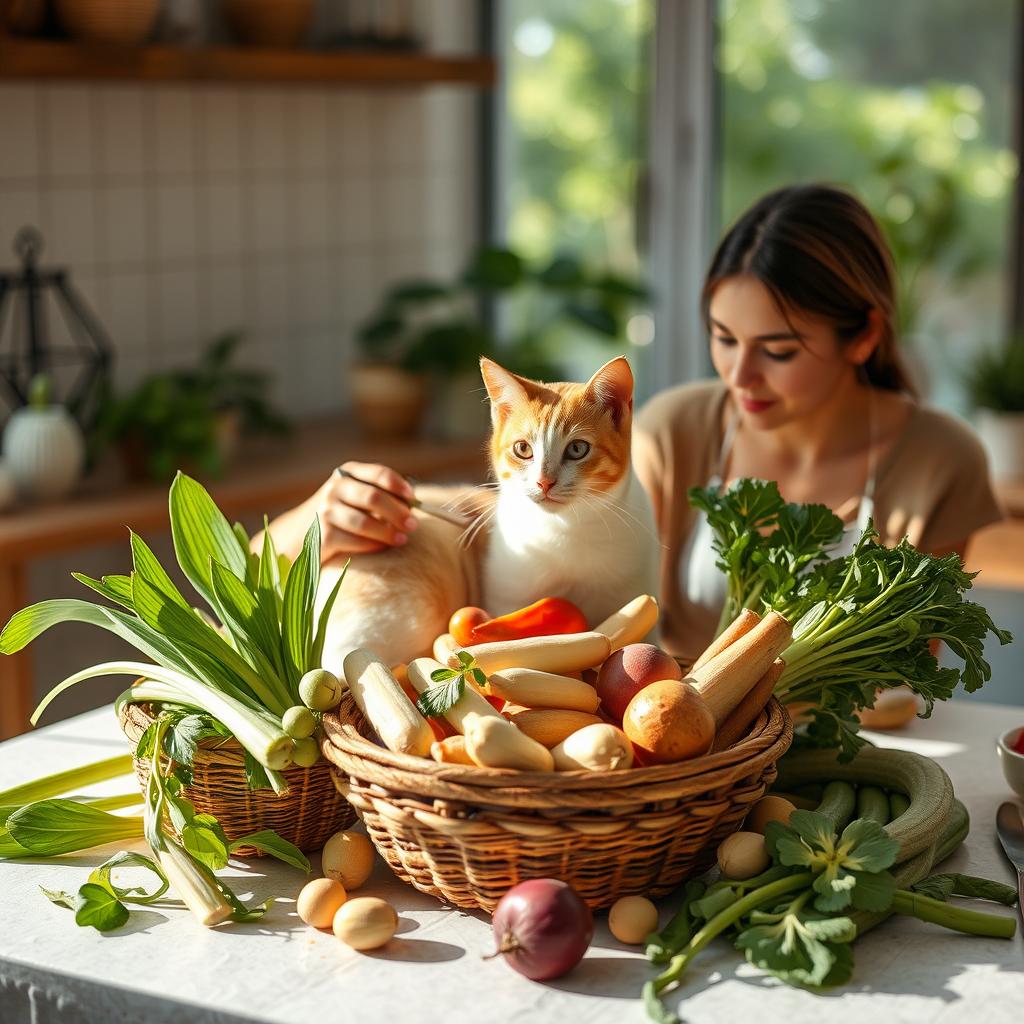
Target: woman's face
{"points": [[778, 369]]}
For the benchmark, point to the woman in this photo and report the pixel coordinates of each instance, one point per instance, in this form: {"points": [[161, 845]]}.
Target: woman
{"points": [[800, 306], [799, 302]]}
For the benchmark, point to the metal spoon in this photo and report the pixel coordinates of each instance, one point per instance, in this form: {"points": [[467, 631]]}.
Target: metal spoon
{"points": [[1010, 830]]}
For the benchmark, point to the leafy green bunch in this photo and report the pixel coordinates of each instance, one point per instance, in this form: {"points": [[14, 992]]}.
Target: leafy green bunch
{"points": [[796, 919], [861, 622]]}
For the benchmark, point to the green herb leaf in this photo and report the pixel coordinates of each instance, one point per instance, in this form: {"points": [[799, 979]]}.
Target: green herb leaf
{"points": [[442, 675], [62, 899], [103, 876], [435, 701], [204, 841], [870, 846], [465, 659], [271, 843], [96, 906]]}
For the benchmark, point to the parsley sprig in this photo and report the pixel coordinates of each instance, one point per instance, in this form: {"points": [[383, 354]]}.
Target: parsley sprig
{"points": [[451, 684], [794, 920]]}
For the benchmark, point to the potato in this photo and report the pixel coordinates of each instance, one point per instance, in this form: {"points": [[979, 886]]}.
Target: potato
{"points": [[743, 855], [628, 670], [365, 922], [632, 919], [348, 858], [319, 901], [668, 721], [768, 808]]}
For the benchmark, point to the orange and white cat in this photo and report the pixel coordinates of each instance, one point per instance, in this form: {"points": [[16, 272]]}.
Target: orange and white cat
{"points": [[565, 518]]}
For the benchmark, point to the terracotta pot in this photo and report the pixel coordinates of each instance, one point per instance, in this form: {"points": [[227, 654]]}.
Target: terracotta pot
{"points": [[125, 22], [275, 23], [388, 401]]}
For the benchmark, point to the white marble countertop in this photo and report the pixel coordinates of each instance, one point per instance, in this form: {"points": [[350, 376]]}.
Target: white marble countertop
{"points": [[164, 966]]}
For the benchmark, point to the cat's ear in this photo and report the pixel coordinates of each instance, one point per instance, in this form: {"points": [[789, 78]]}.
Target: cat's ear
{"points": [[504, 388], [612, 385]]}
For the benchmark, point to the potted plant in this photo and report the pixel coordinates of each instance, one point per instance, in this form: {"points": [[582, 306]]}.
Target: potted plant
{"points": [[427, 336], [995, 385], [188, 418]]}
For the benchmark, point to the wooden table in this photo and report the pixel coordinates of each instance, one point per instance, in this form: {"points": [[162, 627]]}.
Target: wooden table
{"points": [[267, 477]]}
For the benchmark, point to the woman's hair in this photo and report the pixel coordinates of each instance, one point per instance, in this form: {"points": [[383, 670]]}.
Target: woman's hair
{"points": [[819, 251]]}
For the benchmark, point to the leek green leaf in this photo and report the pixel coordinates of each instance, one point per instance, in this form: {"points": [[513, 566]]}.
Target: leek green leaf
{"points": [[299, 598], [148, 566], [51, 827], [114, 588], [271, 843], [103, 875]]}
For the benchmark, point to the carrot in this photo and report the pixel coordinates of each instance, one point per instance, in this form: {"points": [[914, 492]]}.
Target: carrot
{"points": [[740, 626], [728, 677], [741, 718]]}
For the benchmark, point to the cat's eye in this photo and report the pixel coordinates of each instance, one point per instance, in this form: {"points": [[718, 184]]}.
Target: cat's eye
{"points": [[576, 450], [522, 450]]}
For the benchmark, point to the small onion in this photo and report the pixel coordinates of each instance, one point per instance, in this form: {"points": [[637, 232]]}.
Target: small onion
{"points": [[319, 901], [307, 753], [366, 922], [320, 690], [542, 928], [298, 722]]}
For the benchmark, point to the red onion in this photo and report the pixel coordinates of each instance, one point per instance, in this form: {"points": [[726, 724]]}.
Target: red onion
{"points": [[542, 928]]}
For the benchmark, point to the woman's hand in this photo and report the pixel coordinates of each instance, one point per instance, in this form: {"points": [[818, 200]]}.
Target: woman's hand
{"points": [[357, 517]]}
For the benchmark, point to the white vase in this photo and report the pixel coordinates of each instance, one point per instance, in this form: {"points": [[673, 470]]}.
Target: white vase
{"points": [[44, 450], [1002, 434]]}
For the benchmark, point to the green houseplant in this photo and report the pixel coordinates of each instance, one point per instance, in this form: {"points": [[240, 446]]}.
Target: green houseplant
{"points": [[995, 386], [188, 417], [426, 330]]}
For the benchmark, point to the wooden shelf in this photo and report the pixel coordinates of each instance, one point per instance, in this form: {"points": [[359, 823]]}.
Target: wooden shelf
{"points": [[35, 58]]}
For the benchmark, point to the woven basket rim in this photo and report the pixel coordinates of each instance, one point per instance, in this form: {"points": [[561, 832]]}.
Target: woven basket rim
{"points": [[344, 745], [136, 718]]}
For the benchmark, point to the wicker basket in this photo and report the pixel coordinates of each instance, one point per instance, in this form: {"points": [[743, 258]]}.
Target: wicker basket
{"points": [[466, 835], [307, 816]]}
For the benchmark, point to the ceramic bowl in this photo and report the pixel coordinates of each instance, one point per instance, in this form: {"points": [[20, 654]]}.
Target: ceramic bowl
{"points": [[1012, 762]]}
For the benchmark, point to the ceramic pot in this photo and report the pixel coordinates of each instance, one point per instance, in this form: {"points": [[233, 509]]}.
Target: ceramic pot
{"points": [[44, 450], [388, 401], [124, 22], [274, 23]]}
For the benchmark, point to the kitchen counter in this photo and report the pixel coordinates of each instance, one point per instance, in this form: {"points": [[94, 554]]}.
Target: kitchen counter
{"points": [[163, 966]]}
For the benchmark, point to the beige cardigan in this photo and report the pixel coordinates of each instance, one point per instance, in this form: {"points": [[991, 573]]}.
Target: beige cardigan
{"points": [[933, 487]]}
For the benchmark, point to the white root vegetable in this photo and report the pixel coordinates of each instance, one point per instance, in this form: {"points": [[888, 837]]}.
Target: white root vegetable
{"points": [[729, 676], [533, 689], [596, 748], [444, 647], [380, 697], [631, 623], [569, 652], [497, 743]]}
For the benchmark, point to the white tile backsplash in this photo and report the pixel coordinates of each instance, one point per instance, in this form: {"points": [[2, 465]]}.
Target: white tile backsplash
{"points": [[220, 132], [68, 123], [225, 299], [19, 207], [19, 150], [266, 137], [267, 209], [176, 221], [311, 201], [174, 132], [71, 239], [127, 313], [124, 225], [177, 328], [355, 219], [221, 227], [123, 115]]}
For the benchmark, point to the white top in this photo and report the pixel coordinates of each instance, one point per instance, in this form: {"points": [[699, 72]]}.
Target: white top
{"points": [[164, 966]]}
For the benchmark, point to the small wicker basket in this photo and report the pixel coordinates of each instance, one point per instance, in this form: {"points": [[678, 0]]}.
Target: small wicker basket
{"points": [[310, 813], [466, 835]]}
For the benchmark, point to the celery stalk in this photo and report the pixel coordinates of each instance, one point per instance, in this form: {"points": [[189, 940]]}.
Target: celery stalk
{"points": [[62, 782]]}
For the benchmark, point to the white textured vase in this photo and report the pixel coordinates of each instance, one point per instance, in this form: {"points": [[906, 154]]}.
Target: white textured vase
{"points": [[44, 451], [1002, 433]]}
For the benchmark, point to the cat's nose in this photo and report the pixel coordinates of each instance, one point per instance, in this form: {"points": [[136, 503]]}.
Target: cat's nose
{"points": [[545, 483]]}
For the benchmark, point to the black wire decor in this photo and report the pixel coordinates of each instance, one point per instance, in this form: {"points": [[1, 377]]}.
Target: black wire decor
{"points": [[79, 372]]}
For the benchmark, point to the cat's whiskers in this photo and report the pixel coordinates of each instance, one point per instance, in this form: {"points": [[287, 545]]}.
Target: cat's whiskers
{"points": [[587, 498], [626, 517], [468, 536]]}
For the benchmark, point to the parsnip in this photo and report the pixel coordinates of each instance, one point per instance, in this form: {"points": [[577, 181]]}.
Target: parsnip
{"points": [[567, 653], [728, 677], [389, 711], [497, 743], [444, 647], [631, 623], [470, 703], [451, 750], [596, 748], [738, 722], [535, 689], [740, 626], [549, 726]]}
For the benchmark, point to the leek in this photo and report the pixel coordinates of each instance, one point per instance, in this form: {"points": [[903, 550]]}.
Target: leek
{"points": [[256, 730], [61, 782]]}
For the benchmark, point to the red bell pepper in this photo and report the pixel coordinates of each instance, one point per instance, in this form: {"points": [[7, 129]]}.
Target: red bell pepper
{"points": [[550, 616]]}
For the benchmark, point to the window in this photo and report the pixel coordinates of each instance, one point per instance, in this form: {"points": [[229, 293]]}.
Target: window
{"points": [[572, 142], [909, 105]]}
